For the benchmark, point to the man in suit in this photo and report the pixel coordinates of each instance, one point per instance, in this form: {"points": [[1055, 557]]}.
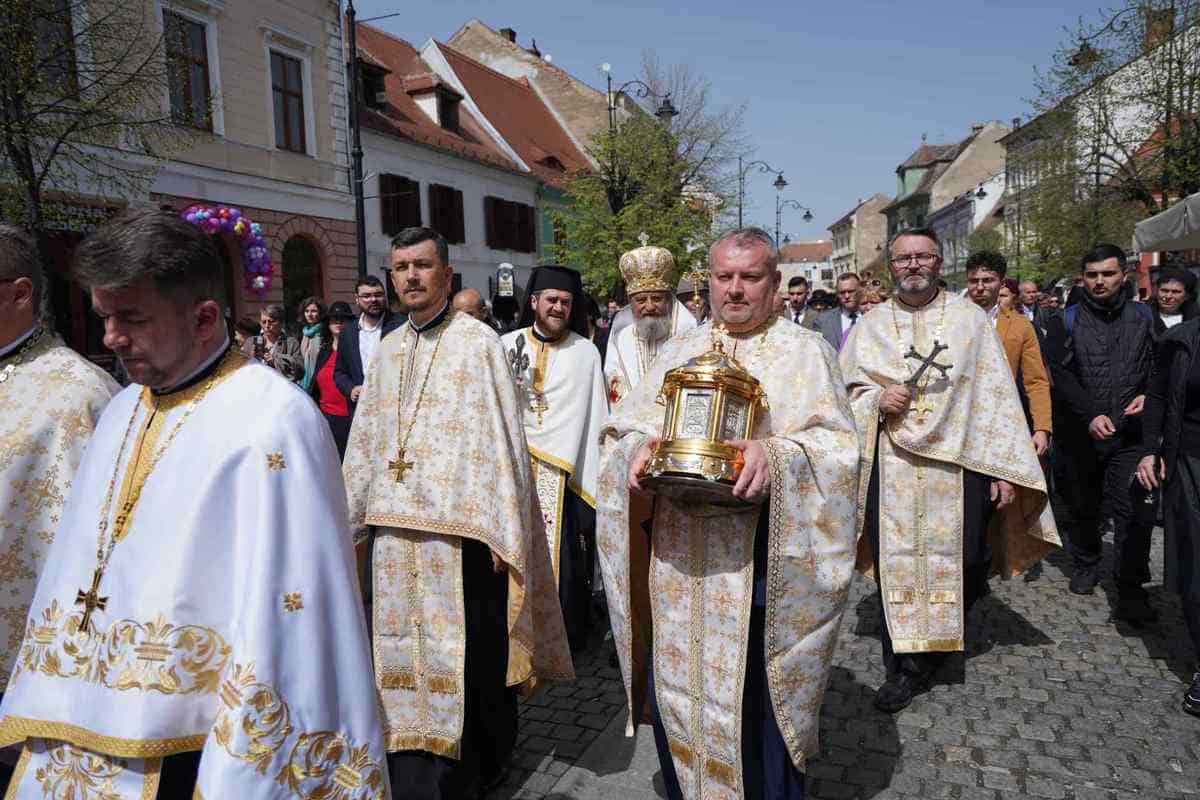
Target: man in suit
{"points": [[836, 323], [361, 336], [985, 275], [797, 299]]}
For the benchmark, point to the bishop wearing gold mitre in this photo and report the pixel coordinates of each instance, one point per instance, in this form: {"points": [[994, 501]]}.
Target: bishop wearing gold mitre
{"points": [[438, 476], [745, 603], [649, 274], [561, 389], [51, 398], [940, 425], [197, 631]]}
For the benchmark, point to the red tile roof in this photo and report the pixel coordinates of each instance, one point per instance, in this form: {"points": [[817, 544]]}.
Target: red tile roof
{"points": [[520, 116], [805, 251], [403, 117]]}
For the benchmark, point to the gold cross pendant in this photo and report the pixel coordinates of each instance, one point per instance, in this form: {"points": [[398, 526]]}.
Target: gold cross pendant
{"points": [[91, 600], [924, 408], [538, 405], [400, 466]]}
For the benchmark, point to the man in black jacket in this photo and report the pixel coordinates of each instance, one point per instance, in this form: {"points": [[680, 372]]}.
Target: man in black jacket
{"points": [[1174, 299], [1101, 355], [361, 336]]}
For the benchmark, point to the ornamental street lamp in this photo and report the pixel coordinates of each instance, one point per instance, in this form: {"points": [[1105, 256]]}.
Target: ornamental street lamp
{"points": [[764, 168], [666, 109], [1086, 56], [356, 153], [780, 203]]}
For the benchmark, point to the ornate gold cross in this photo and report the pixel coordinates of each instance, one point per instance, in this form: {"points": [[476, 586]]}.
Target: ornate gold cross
{"points": [[695, 276], [91, 600], [923, 408], [538, 405], [400, 466]]}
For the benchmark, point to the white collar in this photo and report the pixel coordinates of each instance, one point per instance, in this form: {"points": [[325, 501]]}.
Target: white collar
{"points": [[20, 340]]}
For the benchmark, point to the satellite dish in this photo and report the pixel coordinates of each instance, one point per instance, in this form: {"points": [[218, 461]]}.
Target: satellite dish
{"points": [[547, 58]]}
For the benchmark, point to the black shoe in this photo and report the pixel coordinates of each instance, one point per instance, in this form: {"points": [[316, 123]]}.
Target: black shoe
{"points": [[1084, 580], [897, 692], [1191, 698], [1136, 609], [1033, 573]]}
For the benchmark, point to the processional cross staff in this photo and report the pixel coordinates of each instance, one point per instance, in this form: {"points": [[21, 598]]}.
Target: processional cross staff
{"points": [[924, 406]]}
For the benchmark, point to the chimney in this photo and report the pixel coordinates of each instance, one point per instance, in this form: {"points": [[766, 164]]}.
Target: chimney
{"points": [[1159, 26], [976, 127], [510, 34], [1016, 123]]}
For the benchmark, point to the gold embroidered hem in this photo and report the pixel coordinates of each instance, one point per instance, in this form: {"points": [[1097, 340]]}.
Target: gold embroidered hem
{"points": [[14, 730], [62, 771], [550, 481], [439, 746]]}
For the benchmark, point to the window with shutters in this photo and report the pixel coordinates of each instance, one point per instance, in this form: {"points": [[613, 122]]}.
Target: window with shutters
{"points": [[509, 225], [399, 203], [446, 213], [287, 95], [54, 44], [185, 42]]}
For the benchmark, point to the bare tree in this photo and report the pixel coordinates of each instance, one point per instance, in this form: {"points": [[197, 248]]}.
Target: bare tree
{"points": [[91, 99]]}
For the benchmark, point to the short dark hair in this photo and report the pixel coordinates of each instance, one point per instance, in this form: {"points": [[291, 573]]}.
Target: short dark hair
{"points": [[156, 245], [849, 276], [798, 280], [1102, 252], [369, 280], [19, 259], [989, 260], [248, 326], [310, 301], [928, 233], [411, 236]]}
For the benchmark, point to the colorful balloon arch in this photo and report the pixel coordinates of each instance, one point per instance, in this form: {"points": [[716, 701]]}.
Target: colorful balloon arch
{"points": [[227, 219]]}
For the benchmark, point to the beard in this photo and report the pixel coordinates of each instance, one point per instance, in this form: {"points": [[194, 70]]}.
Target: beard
{"points": [[914, 283], [653, 329], [552, 326]]}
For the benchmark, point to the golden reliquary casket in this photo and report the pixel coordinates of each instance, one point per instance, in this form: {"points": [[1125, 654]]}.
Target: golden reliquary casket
{"points": [[710, 400]]}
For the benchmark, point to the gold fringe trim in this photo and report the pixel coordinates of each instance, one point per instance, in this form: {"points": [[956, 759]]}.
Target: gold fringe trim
{"points": [[542, 455], [926, 645], [17, 729], [438, 745], [721, 772], [405, 679], [18, 773]]}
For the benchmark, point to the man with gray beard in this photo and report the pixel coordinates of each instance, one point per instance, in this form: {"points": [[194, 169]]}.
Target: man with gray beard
{"points": [[657, 316]]}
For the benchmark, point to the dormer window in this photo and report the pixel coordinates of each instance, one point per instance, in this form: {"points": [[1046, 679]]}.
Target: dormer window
{"points": [[374, 88], [553, 163], [447, 105]]}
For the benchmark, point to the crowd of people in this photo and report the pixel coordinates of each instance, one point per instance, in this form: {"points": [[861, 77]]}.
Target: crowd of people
{"points": [[331, 551]]}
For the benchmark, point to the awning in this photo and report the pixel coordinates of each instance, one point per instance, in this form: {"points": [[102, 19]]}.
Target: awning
{"points": [[1177, 228]]}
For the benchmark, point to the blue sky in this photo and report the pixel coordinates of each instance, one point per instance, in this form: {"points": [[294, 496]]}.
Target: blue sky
{"points": [[838, 93]]}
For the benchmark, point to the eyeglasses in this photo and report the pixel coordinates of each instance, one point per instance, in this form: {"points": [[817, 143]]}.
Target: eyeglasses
{"points": [[372, 296], [920, 259]]}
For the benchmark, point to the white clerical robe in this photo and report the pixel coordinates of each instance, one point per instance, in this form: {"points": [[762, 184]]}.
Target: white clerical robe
{"points": [[701, 569], [52, 398], [230, 620], [629, 356], [437, 454], [563, 406]]}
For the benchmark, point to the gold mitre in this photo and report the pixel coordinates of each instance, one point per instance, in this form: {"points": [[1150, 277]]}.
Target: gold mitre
{"points": [[648, 269]]}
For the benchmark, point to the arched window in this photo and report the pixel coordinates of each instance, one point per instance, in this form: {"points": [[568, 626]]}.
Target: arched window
{"points": [[301, 274]]}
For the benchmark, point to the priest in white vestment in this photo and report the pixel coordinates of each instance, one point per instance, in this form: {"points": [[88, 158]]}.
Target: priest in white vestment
{"points": [[560, 386], [745, 605], [197, 631], [52, 398], [649, 274], [941, 429], [438, 477]]}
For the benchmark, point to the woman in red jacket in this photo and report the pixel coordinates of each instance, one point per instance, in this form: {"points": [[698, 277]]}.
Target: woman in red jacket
{"points": [[333, 403]]}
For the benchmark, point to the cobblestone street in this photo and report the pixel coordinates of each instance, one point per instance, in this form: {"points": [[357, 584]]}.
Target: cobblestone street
{"points": [[1054, 701]]}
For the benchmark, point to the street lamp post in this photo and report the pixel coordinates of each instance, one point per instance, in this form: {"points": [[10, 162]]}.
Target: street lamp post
{"points": [[764, 168], [779, 206], [356, 152], [666, 109]]}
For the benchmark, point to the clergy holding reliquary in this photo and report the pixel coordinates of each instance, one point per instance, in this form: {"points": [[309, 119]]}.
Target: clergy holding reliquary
{"points": [[561, 388], [197, 630], [437, 471], [746, 594]]}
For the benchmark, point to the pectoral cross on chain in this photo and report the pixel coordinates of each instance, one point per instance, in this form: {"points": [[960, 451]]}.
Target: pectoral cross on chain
{"points": [[400, 466], [91, 600], [924, 405]]}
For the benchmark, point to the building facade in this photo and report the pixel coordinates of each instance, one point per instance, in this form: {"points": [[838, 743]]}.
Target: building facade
{"points": [[860, 235], [809, 260]]}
